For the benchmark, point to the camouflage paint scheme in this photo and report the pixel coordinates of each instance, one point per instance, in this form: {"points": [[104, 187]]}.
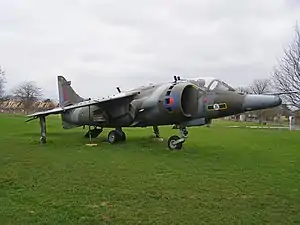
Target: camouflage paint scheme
{"points": [[182, 102]]}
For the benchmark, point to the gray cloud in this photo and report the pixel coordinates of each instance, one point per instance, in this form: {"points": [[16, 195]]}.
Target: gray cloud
{"points": [[101, 44]]}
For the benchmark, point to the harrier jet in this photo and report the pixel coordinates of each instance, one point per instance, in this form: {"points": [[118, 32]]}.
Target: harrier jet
{"points": [[180, 102]]}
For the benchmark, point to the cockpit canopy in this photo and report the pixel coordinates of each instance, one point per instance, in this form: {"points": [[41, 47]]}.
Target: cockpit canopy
{"points": [[211, 84]]}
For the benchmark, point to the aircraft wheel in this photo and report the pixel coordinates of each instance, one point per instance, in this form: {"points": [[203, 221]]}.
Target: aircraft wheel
{"points": [[122, 136], [43, 140], [112, 137], [172, 145]]}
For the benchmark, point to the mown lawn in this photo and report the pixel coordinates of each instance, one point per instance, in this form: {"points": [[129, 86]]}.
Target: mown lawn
{"points": [[221, 176]]}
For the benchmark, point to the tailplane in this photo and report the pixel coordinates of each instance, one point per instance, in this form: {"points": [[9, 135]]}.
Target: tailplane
{"points": [[67, 96]]}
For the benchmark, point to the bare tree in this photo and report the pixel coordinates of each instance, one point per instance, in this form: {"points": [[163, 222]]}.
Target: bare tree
{"points": [[260, 86], [2, 82], [244, 90], [286, 77], [28, 93]]}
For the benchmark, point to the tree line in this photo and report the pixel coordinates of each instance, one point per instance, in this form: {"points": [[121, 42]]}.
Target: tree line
{"points": [[284, 79], [27, 92]]}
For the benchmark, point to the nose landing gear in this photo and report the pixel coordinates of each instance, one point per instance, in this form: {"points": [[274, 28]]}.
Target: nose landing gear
{"points": [[175, 142]]}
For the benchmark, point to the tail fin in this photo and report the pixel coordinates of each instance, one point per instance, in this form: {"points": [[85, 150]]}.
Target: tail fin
{"points": [[67, 96]]}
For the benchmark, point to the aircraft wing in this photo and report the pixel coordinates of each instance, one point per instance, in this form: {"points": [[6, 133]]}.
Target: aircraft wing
{"points": [[59, 110]]}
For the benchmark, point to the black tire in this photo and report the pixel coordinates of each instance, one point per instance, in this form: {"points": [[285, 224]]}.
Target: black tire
{"points": [[43, 140], [113, 137], [174, 146], [122, 136]]}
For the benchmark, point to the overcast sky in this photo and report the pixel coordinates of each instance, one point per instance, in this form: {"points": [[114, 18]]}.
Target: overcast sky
{"points": [[100, 44]]}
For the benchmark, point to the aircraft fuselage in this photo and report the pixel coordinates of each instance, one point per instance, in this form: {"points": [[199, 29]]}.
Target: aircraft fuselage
{"points": [[170, 103]]}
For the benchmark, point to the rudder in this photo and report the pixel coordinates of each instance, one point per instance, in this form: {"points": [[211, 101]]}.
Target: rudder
{"points": [[67, 96]]}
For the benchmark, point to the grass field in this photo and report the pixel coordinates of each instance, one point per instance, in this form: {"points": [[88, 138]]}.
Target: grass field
{"points": [[221, 176]]}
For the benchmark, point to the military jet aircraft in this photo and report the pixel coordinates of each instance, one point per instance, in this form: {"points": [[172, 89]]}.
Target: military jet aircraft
{"points": [[180, 102]]}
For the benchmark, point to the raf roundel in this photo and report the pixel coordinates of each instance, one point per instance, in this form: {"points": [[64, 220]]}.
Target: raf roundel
{"points": [[216, 107], [171, 101]]}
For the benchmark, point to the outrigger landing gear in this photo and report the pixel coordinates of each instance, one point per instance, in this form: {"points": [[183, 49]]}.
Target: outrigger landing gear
{"points": [[116, 135], [175, 142], [43, 139]]}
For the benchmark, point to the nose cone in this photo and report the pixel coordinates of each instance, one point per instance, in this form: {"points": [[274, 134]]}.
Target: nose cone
{"points": [[256, 102]]}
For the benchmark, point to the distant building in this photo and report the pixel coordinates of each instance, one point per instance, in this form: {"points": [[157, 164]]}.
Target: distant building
{"points": [[16, 106], [296, 117], [277, 115]]}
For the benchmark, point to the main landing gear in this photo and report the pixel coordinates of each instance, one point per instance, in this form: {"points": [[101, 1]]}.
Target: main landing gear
{"points": [[175, 142], [156, 134], [94, 132], [116, 135]]}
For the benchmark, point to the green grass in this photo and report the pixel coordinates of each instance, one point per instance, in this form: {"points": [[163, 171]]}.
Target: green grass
{"points": [[221, 176]]}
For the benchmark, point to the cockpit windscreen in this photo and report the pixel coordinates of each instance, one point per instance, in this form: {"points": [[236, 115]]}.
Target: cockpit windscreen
{"points": [[211, 84]]}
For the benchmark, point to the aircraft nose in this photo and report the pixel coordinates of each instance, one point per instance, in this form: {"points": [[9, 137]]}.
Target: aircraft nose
{"points": [[256, 102]]}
